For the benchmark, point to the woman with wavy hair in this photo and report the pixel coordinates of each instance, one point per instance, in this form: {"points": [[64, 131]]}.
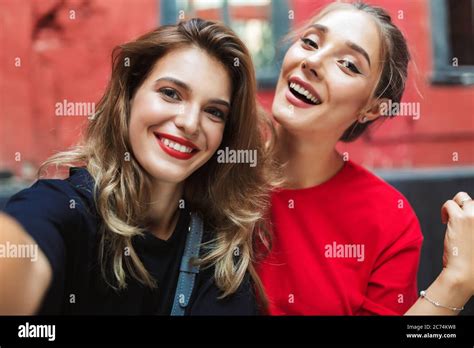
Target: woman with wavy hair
{"points": [[345, 242], [113, 237]]}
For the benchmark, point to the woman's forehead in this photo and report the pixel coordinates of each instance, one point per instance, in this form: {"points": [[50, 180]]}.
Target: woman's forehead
{"points": [[192, 66], [353, 26]]}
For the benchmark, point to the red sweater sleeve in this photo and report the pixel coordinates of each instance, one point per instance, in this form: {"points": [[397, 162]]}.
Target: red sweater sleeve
{"points": [[392, 287]]}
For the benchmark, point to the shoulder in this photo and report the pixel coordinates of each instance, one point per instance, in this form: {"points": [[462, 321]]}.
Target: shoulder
{"points": [[59, 215], [383, 204], [53, 199], [367, 181], [378, 194], [51, 211]]}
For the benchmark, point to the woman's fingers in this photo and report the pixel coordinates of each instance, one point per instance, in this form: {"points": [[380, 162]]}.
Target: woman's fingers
{"points": [[449, 209], [463, 200], [458, 256]]}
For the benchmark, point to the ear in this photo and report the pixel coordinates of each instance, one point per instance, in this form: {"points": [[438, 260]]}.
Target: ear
{"points": [[378, 108]]}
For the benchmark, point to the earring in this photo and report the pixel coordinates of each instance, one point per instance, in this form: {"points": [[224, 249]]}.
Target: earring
{"points": [[363, 120]]}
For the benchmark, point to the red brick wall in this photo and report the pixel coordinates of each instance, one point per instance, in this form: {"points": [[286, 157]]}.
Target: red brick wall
{"points": [[446, 123], [69, 58], [64, 55]]}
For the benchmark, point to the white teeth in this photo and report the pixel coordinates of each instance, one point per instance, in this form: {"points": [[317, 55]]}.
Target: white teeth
{"points": [[304, 92], [176, 146]]}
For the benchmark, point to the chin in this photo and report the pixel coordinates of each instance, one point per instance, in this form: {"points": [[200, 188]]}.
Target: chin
{"points": [[280, 111], [280, 120], [282, 116], [170, 177], [167, 172]]}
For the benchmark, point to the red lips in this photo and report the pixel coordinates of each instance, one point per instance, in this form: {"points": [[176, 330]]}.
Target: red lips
{"points": [[175, 153], [177, 140], [305, 85]]}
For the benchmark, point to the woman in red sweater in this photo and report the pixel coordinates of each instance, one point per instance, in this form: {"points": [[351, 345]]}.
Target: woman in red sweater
{"points": [[345, 242]]}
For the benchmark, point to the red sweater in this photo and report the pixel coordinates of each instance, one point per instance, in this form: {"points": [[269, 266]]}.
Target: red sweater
{"points": [[349, 246]]}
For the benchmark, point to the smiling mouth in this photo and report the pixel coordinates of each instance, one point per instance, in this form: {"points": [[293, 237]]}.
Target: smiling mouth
{"points": [[302, 94], [176, 147]]}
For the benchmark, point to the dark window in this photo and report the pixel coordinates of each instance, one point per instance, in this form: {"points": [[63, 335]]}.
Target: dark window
{"points": [[452, 23]]}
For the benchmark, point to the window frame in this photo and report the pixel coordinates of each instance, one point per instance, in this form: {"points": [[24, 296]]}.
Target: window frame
{"points": [[443, 72], [280, 25]]}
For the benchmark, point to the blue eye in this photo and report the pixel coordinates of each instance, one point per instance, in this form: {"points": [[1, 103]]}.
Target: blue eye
{"points": [[309, 42], [349, 65], [170, 93], [216, 113]]}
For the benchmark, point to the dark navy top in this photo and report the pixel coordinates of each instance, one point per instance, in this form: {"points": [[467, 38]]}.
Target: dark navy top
{"points": [[61, 217]]}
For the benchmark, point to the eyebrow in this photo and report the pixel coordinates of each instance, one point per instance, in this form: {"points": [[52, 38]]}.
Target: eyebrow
{"points": [[220, 102], [323, 29], [188, 89], [176, 82]]}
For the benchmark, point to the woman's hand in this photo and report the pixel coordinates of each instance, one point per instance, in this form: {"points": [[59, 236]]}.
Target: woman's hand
{"points": [[455, 284], [458, 256]]}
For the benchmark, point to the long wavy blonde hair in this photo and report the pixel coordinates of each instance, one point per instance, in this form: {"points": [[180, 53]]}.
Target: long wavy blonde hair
{"points": [[232, 198]]}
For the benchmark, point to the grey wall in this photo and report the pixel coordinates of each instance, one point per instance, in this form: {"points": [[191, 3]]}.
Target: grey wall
{"points": [[427, 191]]}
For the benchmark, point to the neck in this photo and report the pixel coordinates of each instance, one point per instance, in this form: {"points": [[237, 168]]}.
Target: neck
{"points": [[310, 159], [163, 211]]}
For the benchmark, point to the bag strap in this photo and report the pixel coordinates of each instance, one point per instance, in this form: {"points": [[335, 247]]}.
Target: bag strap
{"points": [[188, 271]]}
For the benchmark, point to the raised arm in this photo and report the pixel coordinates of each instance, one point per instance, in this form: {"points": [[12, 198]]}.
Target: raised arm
{"points": [[23, 280], [455, 284]]}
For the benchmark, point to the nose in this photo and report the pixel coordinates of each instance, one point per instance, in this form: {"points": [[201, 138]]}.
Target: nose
{"points": [[312, 65], [188, 119]]}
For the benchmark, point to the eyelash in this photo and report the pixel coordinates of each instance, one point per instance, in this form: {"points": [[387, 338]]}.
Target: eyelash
{"points": [[220, 114], [309, 42], [212, 111], [167, 89], [351, 66]]}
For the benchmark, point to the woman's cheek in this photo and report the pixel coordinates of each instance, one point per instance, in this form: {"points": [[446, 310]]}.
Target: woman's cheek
{"points": [[346, 88], [214, 133], [291, 58]]}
